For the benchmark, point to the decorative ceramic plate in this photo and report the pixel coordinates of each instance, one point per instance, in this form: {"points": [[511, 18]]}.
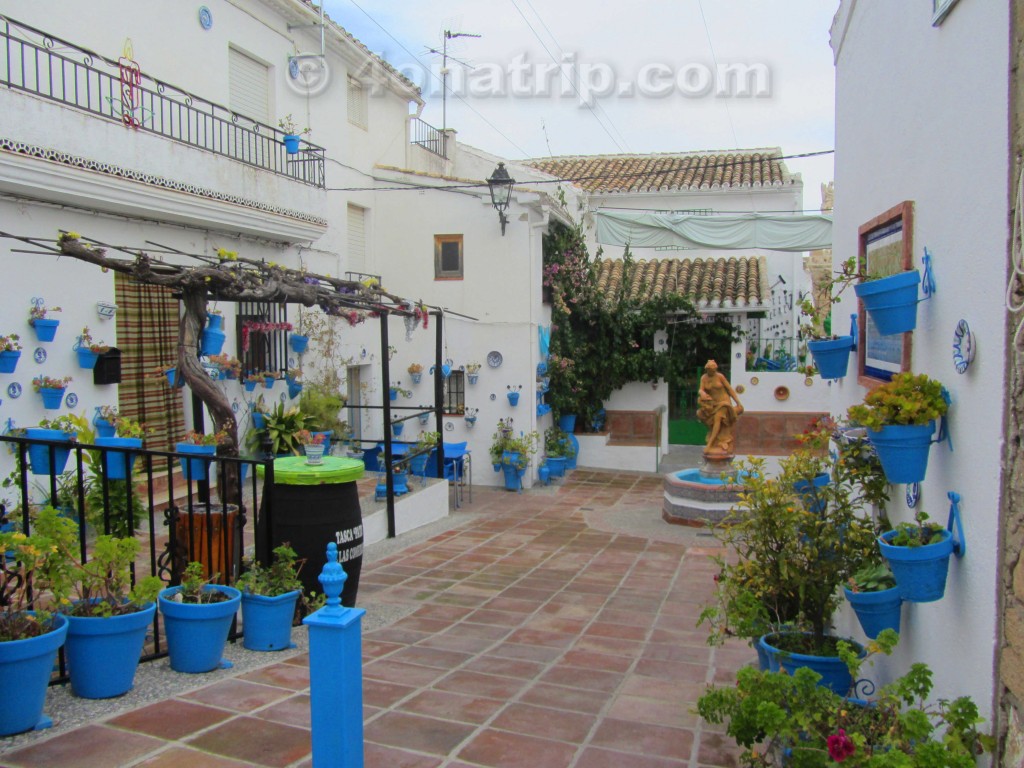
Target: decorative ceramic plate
{"points": [[449, 426], [494, 359], [205, 17], [39, 355], [913, 494], [14, 390], [71, 400], [963, 347]]}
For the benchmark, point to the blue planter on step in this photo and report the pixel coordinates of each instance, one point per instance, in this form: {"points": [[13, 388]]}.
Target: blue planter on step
{"points": [[920, 571], [831, 356], [103, 653], [877, 610], [556, 466], [197, 632], [267, 621], [567, 422], [119, 465], [903, 450], [25, 667], [891, 301]]}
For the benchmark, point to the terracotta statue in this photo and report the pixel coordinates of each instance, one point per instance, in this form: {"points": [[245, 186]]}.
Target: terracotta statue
{"points": [[715, 409]]}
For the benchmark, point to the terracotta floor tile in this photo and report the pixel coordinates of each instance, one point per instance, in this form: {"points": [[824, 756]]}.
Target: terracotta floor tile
{"points": [[588, 679], [512, 750], [452, 706], [282, 675], [499, 618], [545, 723], [431, 657], [490, 664], [396, 672], [261, 742], [537, 653], [593, 757], [641, 710], [558, 697], [91, 746], [718, 750], [376, 756], [643, 739], [172, 719], [377, 693], [176, 757], [671, 670], [592, 660], [419, 734], [237, 695], [672, 691], [291, 711], [476, 684]]}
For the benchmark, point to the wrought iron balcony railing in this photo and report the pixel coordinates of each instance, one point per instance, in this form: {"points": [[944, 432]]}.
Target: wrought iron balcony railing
{"points": [[428, 137], [39, 63]]}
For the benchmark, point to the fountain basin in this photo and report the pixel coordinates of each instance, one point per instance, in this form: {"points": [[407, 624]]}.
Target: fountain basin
{"points": [[691, 498]]}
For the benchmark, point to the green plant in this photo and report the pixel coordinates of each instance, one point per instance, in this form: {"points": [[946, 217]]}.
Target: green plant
{"points": [[10, 343], [505, 443], [397, 391], [289, 126], [873, 576], [201, 438], [917, 534], [791, 557], [816, 305], [193, 587], [557, 443], [282, 427], [125, 427], [323, 406], [305, 437], [908, 399], [472, 367], [50, 382], [67, 423], [280, 577], [230, 365], [39, 312], [790, 720], [415, 368], [87, 342]]}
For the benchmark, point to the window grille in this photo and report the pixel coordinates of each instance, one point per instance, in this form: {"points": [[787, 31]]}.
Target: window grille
{"points": [[267, 349], [455, 394]]}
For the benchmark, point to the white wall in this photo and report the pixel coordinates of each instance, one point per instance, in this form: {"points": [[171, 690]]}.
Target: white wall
{"points": [[921, 115]]}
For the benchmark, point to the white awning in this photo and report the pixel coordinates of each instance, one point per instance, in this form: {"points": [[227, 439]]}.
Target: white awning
{"points": [[776, 232]]}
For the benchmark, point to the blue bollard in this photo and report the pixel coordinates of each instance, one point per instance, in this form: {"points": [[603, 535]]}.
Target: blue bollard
{"points": [[335, 674]]}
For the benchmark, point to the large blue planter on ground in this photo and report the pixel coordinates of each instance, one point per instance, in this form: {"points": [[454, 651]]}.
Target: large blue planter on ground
{"points": [[513, 477], [834, 673], [103, 653], [119, 465], [25, 667], [197, 632], [556, 465], [831, 356], [809, 492], [877, 610], [267, 621], [39, 455], [920, 571], [903, 450], [195, 469], [891, 301]]}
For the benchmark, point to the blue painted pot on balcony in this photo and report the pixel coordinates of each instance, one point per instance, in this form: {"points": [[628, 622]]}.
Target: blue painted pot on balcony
{"points": [[291, 143]]}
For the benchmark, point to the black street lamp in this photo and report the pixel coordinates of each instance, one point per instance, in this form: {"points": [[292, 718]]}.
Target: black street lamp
{"points": [[500, 184]]}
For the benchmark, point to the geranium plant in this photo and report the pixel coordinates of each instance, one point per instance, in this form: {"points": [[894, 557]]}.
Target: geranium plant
{"points": [[192, 437], [87, 342], [39, 312], [10, 343], [415, 368], [50, 382], [305, 437]]}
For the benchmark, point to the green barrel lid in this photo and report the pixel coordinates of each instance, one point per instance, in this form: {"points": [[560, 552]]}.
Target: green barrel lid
{"points": [[293, 470]]}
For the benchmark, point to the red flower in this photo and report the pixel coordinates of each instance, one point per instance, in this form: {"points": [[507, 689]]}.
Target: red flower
{"points": [[839, 746]]}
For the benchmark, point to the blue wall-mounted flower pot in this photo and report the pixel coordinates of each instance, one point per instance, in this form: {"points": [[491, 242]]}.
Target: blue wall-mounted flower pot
{"points": [[831, 356], [9, 360], [87, 358], [291, 143], [877, 610], [195, 469], [119, 465], [891, 301], [920, 571], [39, 455], [46, 329], [513, 398], [298, 343], [52, 397], [903, 450]]}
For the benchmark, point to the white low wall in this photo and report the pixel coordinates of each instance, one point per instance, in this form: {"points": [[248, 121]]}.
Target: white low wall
{"points": [[595, 453], [423, 506]]}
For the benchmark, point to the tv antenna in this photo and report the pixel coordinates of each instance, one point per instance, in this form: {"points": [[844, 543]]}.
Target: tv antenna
{"points": [[448, 35]]}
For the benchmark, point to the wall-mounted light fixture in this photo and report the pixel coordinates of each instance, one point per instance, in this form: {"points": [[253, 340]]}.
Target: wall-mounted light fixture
{"points": [[500, 185]]}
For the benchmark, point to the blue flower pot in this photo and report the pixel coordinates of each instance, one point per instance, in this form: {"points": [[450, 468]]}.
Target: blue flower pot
{"points": [[418, 464], [104, 428], [570, 462], [119, 465], [891, 301], [544, 473], [259, 421], [513, 398], [396, 429], [834, 674], [52, 397], [903, 450], [513, 477], [269, 382], [196, 469], [920, 571], [831, 356], [416, 377], [876, 610], [250, 386], [567, 423], [39, 455], [25, 667], [267, 621], [87, 358], [291, 143], [473, 377], [809, 494], [294, 389], [298, 343], [556, 465], [211, 342], [172, 375], [393, 393], [46, 328], [9, 360], [103, 653], [196, 633]]}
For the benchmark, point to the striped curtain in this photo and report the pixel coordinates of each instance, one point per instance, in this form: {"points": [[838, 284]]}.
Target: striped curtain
{"points": [[147, 335]]}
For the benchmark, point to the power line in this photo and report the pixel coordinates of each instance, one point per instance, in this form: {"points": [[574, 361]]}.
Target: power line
{"points": [[443, 84], [408, 186], [714, 60]]}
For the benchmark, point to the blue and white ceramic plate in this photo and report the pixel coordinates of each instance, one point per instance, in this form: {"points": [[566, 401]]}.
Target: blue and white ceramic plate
{"points": [[14, 390], [494, 359], [963, 347], [39, 355], [71, 400], [913, 494]]}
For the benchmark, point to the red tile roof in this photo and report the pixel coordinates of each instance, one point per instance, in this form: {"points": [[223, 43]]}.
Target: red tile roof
{"points": [[736, 281], [668, 172]]}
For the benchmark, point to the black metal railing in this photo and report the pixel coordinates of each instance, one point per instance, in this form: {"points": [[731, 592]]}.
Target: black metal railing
{"points": [[427, 136], [181, 524], [41, 64]]}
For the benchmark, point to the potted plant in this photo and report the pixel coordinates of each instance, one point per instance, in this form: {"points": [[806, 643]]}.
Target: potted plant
{"points": [[831, 352], [230, 367], [107, 615], [282, 428], [513, 394], [558, 450], [10, 352], [396, 389], [51, 389], [198, 444], [299, 339], [197, 618], [313, 445], [104, 420], [29, 635], [918, 554], [470, 416], [783, 719], [292, 134], [62, 429], [472, 372], [871, 591], [323, 404], [891, 301], [790, 564], [251, 380], [128, 433], [270, 379], [416, 372], [900, 420], [512, 454], [88, 350], [421, 453], [211, 340], [169, 372], [45, 327], [269, 596]]}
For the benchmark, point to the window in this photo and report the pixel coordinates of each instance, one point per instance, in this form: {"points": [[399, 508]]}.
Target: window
{"points": [[356, 237], [454, 397], [447, 256], [357, 103], [262, 337], [248, 86]]}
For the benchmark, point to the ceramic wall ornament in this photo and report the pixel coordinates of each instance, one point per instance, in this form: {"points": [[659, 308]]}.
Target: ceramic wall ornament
{"points": [[964, 347], [14, 390], [493, 396], [105, 309], [39, 355], [71, 400], [205, 17], [449, 426], [235, 406], [494, 359], [913, 494]]}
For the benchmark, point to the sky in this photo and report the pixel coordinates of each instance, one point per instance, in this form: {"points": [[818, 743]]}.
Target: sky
{"points": [[654, 76]]}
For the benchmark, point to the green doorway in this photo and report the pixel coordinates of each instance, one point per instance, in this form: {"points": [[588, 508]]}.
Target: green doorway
{"points": [[683, 426]]}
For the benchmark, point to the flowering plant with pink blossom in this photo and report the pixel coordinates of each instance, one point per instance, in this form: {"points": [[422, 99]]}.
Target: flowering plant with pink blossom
{"points": [[790, 720]]}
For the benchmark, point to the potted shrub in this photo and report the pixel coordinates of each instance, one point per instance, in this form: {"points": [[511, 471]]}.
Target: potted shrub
{"points": [[170, 372], [323, 405], [292, 134], [197, 618], [421, 452], [10, 352], [396, 389], [918, 554], [88, 350], [558, 450], [313, 444], [104, 419], [872, 592], [299, 339], [230, 367], [512, 454], [45, 327], [251, 380], [128, 433], [790, 564], [282, 427], [831, 352], [29, 635], [62, 429], [783, 719], [513, 394], [900, 420], [199, 444], [51, 389], [415, 372], [269, 596], [472, 372], [107, 616]]}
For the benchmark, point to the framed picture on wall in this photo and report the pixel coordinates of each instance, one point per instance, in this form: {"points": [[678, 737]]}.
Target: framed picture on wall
{"points": [[885, 248]]}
